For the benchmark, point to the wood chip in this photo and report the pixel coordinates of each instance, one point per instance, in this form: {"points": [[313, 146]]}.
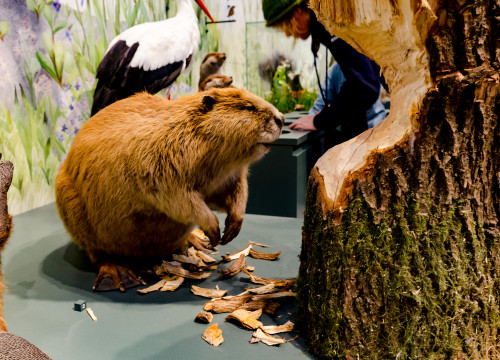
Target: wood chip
{"points": [[275, 329], [172, 283], [236, 255], [160, 270], [257, 244], [250, 268], [206, 258], [274, 295], [235, 268], [209, 293], [91, 314], [263, 256], [199, 240], [188, 260], [152, 288], [168, 267], [266, 289], [204, 317], [271, 307], [267, 339], [268, 307], [254, 305], [277, 282], [213, 335], [200, 234], [192, 252], [226, 305], [167, 283], [248, 319]]}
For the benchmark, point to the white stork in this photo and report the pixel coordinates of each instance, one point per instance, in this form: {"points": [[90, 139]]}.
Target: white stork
{"points": [[148, 57]]}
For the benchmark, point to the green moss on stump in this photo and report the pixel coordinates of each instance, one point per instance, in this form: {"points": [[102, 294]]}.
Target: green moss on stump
{"points": [[415, 286]]}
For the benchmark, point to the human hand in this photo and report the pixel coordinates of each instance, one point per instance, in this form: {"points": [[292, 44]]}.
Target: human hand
{"points": [[303, 123]]}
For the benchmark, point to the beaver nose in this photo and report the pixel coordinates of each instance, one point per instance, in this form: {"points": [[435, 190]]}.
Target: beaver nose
{"points": [[280, 120]]}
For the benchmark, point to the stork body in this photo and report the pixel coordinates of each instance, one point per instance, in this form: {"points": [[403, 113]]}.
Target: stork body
{"points": [[148, 57]]}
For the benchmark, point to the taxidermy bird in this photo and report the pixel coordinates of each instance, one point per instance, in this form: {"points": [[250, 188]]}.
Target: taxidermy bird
{"points": [[148, 57]]}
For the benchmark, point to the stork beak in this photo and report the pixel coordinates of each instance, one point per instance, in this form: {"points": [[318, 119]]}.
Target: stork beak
{"points": [[205, 10]]}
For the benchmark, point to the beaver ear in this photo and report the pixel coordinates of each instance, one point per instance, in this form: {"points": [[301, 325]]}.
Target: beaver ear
{"points": [[207, 103]]}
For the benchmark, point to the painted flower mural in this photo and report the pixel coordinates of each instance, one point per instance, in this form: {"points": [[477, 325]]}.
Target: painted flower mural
{"points": [[49, 53]]}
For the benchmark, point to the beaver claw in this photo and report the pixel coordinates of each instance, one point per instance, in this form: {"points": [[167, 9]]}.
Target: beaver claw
{"points": [[116, 277], [232, 229]]}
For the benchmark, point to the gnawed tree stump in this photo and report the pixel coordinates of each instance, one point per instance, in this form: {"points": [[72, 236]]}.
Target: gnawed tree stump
{"points": [[401, 240], [6, 172]]}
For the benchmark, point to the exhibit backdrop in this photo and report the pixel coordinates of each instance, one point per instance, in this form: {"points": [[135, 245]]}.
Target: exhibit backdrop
{"points": [[50, 51]]}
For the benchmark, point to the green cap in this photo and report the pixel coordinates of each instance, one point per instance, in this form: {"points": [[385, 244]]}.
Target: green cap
{"points": [[277, 10]]}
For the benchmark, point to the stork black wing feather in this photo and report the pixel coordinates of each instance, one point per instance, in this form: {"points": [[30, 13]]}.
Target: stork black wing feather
{"points": [[152, 81], [118, 80], [110, 74]]}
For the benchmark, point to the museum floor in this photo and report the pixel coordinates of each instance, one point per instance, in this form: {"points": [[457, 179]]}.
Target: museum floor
{"points": [[46, 273]]}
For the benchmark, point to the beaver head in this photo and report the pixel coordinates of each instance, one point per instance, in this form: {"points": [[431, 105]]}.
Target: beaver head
{"points": [[243, 124]]}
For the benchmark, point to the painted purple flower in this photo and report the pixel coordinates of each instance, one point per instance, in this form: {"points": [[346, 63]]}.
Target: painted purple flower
{"points": [[64, 128], [57, 5], [76, 131], [68, 36]]}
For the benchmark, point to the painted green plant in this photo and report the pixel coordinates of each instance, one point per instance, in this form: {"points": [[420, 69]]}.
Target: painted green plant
{"points": [[29, 140], [38, 5], [4, 29]]}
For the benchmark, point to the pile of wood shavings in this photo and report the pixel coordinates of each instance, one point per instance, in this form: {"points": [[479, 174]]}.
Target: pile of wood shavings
{"points": [[244, 309]]}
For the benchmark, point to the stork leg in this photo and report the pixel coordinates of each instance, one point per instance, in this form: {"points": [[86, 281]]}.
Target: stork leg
{"points": [[116, 277]]}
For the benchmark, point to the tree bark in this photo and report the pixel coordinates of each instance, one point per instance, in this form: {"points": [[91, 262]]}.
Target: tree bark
{"points": [[6, 172], [401, 240]]}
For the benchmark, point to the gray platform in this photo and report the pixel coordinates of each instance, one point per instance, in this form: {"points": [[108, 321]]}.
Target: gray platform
{"points": [[45, 274]]}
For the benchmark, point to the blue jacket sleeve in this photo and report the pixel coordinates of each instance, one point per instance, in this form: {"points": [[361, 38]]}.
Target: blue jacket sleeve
{"points": [[359, 91]]}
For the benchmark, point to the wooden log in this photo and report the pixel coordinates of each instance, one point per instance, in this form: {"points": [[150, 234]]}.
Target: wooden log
{"points": [[6, 172], [401, 239]]}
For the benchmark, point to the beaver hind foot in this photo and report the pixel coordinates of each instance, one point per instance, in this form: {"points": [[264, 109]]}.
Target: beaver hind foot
{"points": [[116, 277]]}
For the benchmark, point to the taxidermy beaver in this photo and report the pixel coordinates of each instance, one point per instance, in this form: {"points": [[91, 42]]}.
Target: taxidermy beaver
{"points": [[215, 81], [142, 173]]}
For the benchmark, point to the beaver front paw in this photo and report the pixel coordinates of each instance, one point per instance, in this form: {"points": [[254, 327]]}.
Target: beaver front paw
{"points": [[214, 235], [232, 229]]}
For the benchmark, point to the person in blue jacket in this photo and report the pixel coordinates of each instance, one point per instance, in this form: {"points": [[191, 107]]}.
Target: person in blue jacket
{"points": [[362, 80], [331, 88]]}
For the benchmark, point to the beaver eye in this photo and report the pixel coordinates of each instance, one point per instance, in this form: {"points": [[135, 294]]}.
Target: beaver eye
{"points": [[250, 108]]}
